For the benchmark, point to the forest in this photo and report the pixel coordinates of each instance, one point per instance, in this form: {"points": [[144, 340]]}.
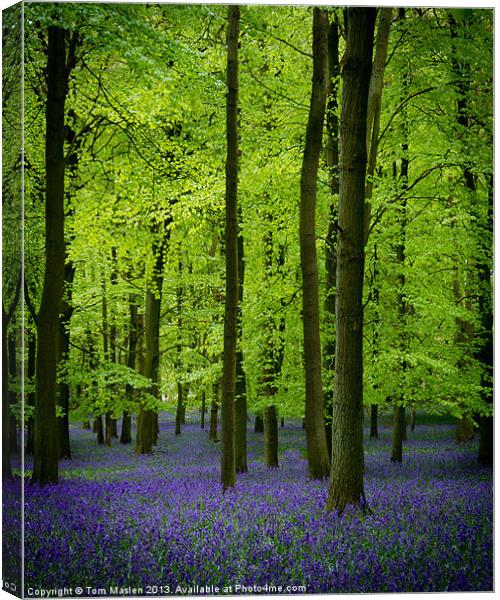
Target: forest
{"points": [[247, 310]]}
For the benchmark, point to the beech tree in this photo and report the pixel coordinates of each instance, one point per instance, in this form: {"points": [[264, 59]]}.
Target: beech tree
{"points": [[317, 451], [228, 467], [346, 480], [59, 65]]}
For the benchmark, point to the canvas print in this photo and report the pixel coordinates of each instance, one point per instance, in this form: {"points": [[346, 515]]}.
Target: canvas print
{"points": [[247, 299]]}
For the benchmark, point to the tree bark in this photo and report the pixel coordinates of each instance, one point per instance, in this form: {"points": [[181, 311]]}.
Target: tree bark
{"points": [[259, 423], [30, 397], [346, 482], [146, 422], [63, 387], [397, 433], [374, 107], [317, 450], [45, 465], [6, 451], [214, 407], [203, 409], [332, 163], [270, 437], [374, 421], [240, 430], [228, 465]]}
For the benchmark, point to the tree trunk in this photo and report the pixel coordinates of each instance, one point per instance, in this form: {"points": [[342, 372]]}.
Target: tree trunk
{"points": [[374, 107], [332, 162], [317, 450], [213, 413], [397, 433], [259, 423], [178, 412], [13, 396], [228, 465], [203, 409], [6, 466], [374, 421], [464, 429], [45, 466], [99, 429], [132, 363], [346, 482], [240, 407], [147, 423], [270, 437], [30, 397], [63, 387]]}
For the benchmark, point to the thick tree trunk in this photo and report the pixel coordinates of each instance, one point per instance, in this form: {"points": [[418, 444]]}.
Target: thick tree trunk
{"points": [[45, 466], [374, 421], [317, 450], [228, 465], [332, 162], [346, 482], [270, 437]]}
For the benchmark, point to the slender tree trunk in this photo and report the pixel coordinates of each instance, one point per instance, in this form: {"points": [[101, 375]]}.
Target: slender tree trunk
{"points": [[332, 162], [374, 107], [99, 429], [178, 412], [30, 396], [273, 357], [45, 466], [399, 431], [374, 421], [228, 465], [147, 422], [240, 407], [132, 363], [346, 481], [203, 409], [214, 407], [13, 397], [6, 466], [317, 450], [63, 387]]}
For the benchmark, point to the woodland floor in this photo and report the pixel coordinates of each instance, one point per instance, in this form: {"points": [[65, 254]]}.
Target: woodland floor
{"points": [[118, 519]]}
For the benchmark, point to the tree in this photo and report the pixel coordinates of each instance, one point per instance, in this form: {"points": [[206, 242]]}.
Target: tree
{"points": [[346, 481], [45, 466], [317, 451], [231, 303]]}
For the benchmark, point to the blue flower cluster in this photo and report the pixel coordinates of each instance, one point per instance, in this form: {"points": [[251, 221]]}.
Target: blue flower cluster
{"points": [[118, 519]]}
